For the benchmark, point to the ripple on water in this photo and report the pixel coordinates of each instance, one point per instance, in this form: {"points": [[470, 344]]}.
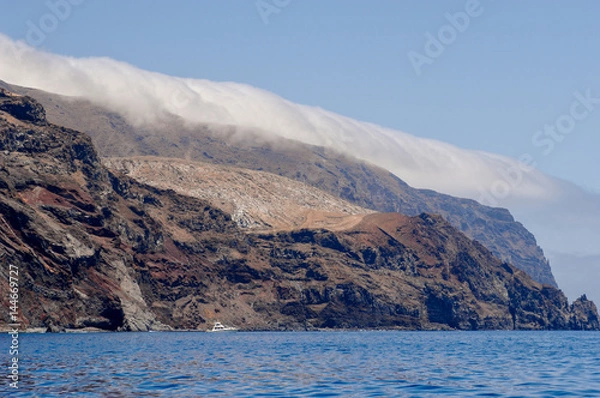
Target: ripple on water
{"points": [[348, 364]]}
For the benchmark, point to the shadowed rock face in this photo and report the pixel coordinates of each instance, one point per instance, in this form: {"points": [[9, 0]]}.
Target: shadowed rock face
{"points": [[352, 180], [21, 108], [97, 249]]}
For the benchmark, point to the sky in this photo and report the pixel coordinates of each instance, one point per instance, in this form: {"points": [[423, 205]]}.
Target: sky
{"points": [[509, 78], [511, 71]]}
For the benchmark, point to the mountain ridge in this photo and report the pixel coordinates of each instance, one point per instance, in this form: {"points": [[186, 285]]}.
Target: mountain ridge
{"points": [[99, 250], [360, 183]]}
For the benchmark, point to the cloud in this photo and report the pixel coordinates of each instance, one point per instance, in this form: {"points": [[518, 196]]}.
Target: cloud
{"points": [[144, 97], [562, 216]]}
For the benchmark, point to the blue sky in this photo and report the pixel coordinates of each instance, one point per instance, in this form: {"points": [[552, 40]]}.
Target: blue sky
{"points": [[514, 69]]}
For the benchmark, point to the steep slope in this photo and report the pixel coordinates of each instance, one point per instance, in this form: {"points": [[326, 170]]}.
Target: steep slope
{"points": [[97, 249], [357, 182], [433, 275], [256, 200]]}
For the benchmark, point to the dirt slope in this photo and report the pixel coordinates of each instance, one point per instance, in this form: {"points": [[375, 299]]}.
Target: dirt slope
{"points": [[256, 200]]}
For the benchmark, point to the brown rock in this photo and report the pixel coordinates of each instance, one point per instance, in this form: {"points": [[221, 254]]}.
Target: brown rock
{"points": [[96, 249]]}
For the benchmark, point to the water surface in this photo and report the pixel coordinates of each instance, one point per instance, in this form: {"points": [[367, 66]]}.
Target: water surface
{"points": [[303, 364]]}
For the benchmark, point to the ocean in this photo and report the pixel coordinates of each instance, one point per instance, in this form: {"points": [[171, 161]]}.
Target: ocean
{"points": [[306, 364]]}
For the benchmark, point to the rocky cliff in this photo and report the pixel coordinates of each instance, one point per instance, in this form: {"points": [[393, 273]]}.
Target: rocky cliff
{"points": [[350, 179], [98, 249]]}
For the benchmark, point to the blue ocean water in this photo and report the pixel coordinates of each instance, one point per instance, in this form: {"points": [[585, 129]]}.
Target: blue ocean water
{"points": [[307, 364]]}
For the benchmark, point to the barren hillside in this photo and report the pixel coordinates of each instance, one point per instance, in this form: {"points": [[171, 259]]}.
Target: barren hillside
{"points": [[256, 200], [97, 249], [357, 182]]}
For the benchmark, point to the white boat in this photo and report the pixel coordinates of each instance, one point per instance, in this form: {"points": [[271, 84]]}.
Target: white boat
{"points": [[219, 327]]}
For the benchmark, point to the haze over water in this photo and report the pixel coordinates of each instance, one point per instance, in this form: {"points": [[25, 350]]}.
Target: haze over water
{"points": [[328, 364]]}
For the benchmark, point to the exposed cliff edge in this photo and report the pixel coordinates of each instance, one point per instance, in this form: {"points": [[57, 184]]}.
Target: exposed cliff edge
{"points": [[97, 249]]}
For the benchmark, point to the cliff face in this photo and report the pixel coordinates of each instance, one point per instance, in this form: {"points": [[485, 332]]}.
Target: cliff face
{"points": [[97, 249], [352, 180]]}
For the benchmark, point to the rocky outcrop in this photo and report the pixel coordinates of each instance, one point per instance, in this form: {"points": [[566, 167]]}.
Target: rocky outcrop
{"points": [[347, 178], [22, 108], [96, 249], [584, 315]]}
